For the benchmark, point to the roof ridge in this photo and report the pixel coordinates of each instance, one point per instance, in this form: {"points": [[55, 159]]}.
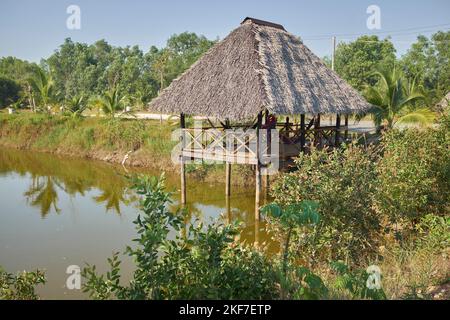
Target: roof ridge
{"points": [[268, 102], [263, 23]]}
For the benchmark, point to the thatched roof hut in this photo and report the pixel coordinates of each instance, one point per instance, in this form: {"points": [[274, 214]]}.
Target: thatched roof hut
{"points": [[259, 66]]}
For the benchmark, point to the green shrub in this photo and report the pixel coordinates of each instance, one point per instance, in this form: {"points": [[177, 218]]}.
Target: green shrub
{"points": [[342, 183], [203, 262], [21, 286], [354, 283], [432, 233], [295, 280], [413, 175]]}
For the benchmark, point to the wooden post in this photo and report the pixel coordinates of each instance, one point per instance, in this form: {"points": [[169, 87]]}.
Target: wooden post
{"points": [[346, 127], [317, 135], [266, 187], [227, 179], [302, 132], [258, 170], [182, 165], [338, 127], [228, 209], [269, 152], [257, 226]]}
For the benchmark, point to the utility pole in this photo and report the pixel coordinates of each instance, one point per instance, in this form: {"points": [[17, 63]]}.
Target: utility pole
{"points": [[334, 53], [333, 56]]}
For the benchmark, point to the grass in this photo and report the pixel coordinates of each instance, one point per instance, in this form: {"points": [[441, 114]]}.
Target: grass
{"points": [[108, 140], [85, 137]]}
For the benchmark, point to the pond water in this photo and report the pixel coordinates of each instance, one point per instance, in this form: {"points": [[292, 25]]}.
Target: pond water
{"points": [[56, 212]]}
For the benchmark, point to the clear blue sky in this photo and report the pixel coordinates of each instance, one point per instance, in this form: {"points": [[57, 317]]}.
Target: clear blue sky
{"points": [[34, 29]]}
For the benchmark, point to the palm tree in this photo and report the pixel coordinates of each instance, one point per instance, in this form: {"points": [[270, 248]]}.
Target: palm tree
{"points": [[395, 101], [110, 102], [76, 106], [160, 66], [42, 84]]}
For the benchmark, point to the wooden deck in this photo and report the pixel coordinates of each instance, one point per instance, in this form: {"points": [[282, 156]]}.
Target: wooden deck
{"points": [[240, 145]]}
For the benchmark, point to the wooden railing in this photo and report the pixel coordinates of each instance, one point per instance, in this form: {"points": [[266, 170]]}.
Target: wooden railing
{"points": [[322, 136], [233, 146], [240, 145]]}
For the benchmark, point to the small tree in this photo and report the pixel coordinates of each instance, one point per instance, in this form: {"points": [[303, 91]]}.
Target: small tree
{"points": [[393, 99], [41, 85], [9, 92], [296, 281], [76, 106], [110, 102], [199, 262]]}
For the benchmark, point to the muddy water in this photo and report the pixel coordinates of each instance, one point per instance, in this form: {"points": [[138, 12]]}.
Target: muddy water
{"points": [[56, 212]]}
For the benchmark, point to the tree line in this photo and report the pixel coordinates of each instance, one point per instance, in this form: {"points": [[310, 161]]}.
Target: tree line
{"points": [[82, 72], [77, 70]]}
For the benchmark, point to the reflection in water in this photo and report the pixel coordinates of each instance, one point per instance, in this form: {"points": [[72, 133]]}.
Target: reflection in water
{"points": [[51, 175], [70, 198], [42, 194]]}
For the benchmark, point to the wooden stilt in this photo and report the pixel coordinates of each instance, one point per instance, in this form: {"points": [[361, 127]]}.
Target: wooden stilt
{"points": [[258, 191], [258, 170], [257, 226], [183, 183], [346, 127], [338, 128], [266, 187], [182, 165], [228, 209], [227, 179], [302, 132], [317, 136], [269, 152]]}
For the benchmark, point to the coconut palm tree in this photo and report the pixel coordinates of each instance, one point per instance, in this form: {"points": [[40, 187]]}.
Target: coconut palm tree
{"points": [[42, 84], [395, 101], [160, 67], [76, 106], [110, 102]]}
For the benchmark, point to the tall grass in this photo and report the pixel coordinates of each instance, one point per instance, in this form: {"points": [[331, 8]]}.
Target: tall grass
{"points": [[84, 135]]}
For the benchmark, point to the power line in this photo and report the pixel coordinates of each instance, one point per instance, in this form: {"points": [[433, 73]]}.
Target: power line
{"points": [[392, 32]]}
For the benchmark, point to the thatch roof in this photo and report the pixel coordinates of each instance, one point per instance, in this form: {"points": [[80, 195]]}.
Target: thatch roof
{"points": [[258, 66]]}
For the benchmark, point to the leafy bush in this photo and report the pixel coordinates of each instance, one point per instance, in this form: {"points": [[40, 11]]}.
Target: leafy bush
{"points": [[20, 286], [9, 91], [414, 175], [355, 282], [296, 281], [203, 262], [342, 183], [433, 233]]}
